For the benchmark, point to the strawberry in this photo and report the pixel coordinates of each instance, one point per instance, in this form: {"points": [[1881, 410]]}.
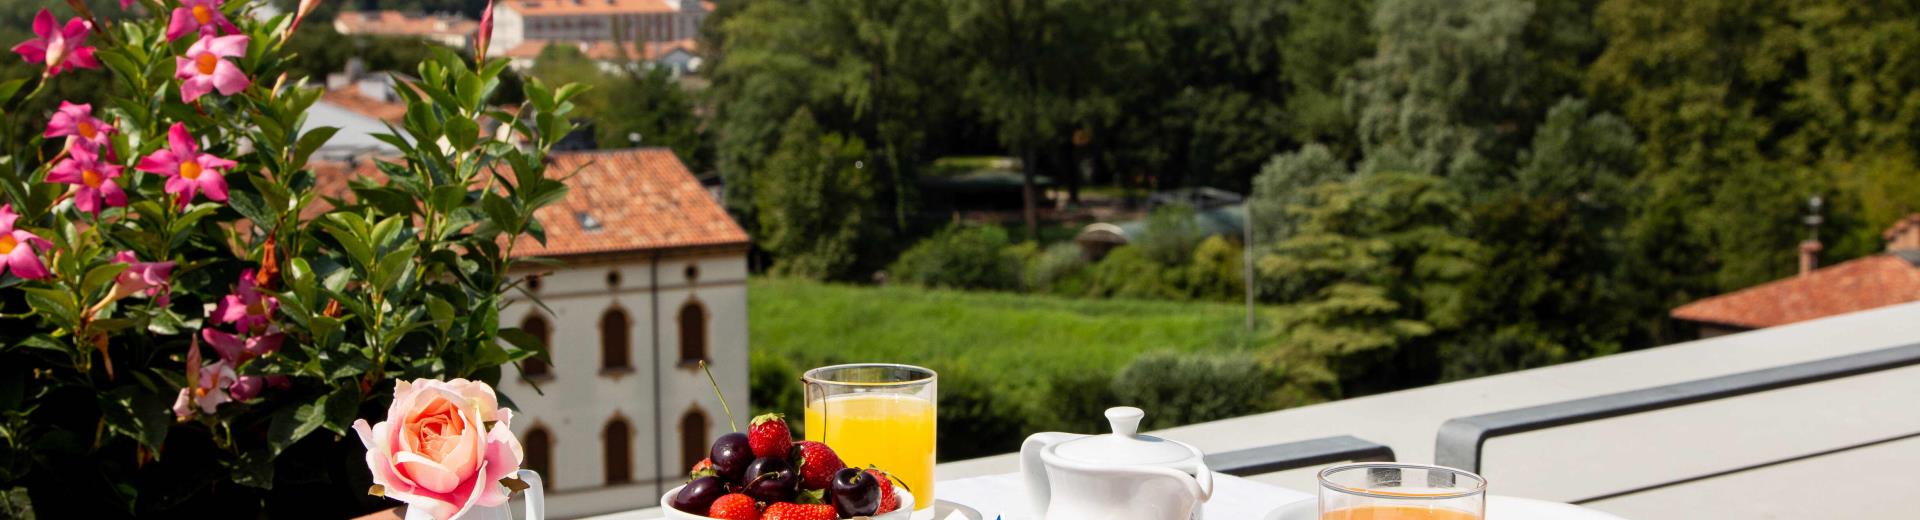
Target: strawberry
{"points": [[703, 468], [792, 511], [734, 507], [769, 436], [817, 464], [888, 502]]}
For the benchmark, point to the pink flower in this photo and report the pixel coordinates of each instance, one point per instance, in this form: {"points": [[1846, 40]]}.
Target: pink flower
{"points": [[150, 277], [93, 179], [76, 123], [188, 171], [59, 48], [126, 4], [234, 349], [207, 385], [435, 451], [17, 248], [485, 35], [201, 70], [247, 307], [306, 8], [201, 15]]}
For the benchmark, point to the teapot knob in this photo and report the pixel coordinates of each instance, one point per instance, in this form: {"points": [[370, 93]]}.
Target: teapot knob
{"points": [[1125, 420]]}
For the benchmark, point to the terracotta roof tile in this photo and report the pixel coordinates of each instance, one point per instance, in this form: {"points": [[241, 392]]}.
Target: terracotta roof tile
{"points": [[641, 200], [1857, 285]]}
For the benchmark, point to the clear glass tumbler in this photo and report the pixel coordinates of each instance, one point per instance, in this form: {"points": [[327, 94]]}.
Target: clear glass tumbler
{"points": [[1395, 491], [880, 415]]}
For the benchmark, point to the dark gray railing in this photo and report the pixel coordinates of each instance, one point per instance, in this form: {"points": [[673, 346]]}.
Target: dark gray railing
{"points": [[1462, 441], [1301, 454]]}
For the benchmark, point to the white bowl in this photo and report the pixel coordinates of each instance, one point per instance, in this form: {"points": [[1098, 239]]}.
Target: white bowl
{"points": [[905, 511]]}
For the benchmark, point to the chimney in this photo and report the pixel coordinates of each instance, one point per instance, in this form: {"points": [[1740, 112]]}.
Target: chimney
{"points": [[1809, 256], [1904, 235]]}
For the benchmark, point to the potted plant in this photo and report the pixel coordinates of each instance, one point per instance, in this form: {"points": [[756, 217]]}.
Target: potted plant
{"points": [[186, 325]]}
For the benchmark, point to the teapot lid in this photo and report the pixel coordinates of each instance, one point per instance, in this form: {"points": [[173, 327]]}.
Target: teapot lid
{"points": [[1125, 446]]}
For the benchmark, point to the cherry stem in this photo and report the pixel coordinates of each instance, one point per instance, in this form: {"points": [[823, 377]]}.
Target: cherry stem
{"points": [[722, 396]]}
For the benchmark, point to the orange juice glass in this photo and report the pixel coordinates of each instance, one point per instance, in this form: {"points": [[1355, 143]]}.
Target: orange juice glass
{"points": [[880, 415], [1393, 491]]}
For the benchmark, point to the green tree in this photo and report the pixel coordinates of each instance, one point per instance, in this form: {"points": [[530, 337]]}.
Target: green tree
{"points": [[632, 106], [1323, 41], [1552, 288], [960, 257], [1376, 278], [816, 202]]}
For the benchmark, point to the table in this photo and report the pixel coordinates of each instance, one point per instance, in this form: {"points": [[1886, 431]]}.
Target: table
{"points": [[1004, 496]]}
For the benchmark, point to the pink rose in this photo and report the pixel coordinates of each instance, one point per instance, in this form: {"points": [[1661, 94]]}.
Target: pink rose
{"points": [[435, 451]]}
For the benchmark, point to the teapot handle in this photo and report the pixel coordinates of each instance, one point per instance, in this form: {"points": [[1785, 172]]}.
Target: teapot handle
{"points": [[536, 494], [1034, 470]]}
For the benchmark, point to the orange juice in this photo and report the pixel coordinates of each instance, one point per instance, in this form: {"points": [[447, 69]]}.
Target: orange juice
{"points": [[1396, 513], [892, 431]]}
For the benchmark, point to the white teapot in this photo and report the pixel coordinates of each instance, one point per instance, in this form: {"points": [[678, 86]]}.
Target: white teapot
{"points": [[1120, 476]]}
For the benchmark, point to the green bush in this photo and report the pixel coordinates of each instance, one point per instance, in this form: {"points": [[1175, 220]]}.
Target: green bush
{"points": [[1178, 389], [1218, 271], [1059, 269], [775, 387], [960, 257], [1171, 235], [1127, 272]]}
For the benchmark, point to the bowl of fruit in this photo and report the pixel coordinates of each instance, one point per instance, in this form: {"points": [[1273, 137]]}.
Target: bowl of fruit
{"points": [[763, 475]]}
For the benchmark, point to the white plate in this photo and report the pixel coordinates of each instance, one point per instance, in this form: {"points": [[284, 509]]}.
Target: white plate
{"points": [[1498, 508], [905, 511]]}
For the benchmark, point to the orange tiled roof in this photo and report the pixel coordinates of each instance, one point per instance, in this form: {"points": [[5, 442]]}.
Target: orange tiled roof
{"points": [[590, 7], [605, 50], [641, 199], [398, 23], [1856, 285]]}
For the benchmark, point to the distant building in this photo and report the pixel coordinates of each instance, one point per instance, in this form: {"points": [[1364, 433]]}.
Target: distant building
{"points": [[518, 21], [449, 30], [677, 56], [654, 281], [360, 105], [1888, 278]]}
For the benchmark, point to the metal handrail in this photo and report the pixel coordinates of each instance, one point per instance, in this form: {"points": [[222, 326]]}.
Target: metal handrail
{"points": [[1299, 454], [1462, 441]]}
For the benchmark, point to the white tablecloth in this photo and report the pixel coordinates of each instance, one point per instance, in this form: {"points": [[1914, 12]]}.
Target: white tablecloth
{"points": [[1005, 496]]}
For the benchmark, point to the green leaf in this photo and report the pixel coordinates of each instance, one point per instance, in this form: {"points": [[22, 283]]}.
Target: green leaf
{"points": [[343, 405], [55, 304], [292, 423], [448, 198], [441, 311], [312, 141], [393, 265], [500, 212], [524, 342], [300, 278], [349, 238], [100, 276], [254, 469]]}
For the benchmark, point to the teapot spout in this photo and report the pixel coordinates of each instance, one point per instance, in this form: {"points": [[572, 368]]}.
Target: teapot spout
{"points": [[1034, 470]]}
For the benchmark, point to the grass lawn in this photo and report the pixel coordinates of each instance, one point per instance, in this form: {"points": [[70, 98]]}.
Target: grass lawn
{"points": [[1016, 337], [1010, 364]]}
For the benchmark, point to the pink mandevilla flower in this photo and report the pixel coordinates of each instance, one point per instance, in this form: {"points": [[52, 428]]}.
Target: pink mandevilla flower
{"points": [[17, 252], [235, 350], [203, 16], [207, 385], [189, 172], [77, 124], [148, 277], [247, 308], [60, 48], [93, 180], [201, 70]]}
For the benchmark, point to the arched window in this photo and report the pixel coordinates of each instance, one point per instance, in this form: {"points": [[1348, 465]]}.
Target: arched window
{"points": [[617, 441], [693, 332], [615, 335], [537, 451], [693, 437], [537, 327]]}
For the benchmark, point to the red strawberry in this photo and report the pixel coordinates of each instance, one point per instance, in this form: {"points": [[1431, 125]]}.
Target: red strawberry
{"points": [[705, 465], [769, 436], [888, 502], [734, 507], [817, 465], [792, 511]]}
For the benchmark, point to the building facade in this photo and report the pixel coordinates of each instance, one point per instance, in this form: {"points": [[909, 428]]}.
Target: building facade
{"points": [[652, 280], [519, 21], [448, 30]]}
